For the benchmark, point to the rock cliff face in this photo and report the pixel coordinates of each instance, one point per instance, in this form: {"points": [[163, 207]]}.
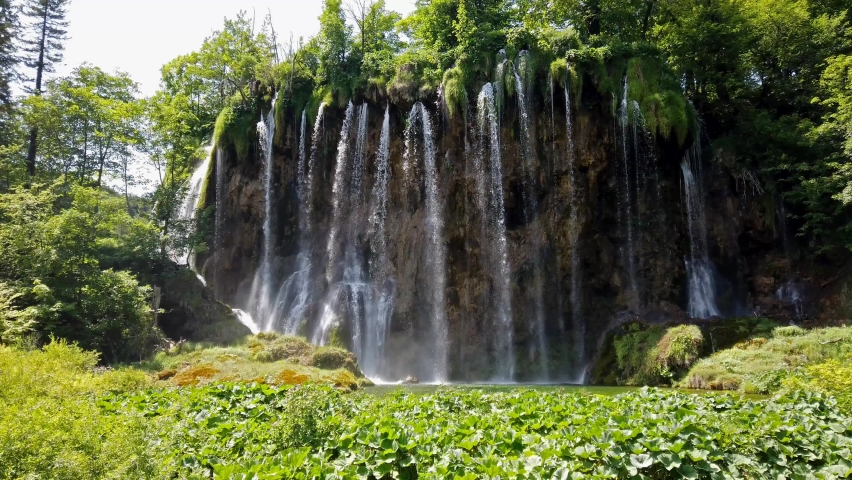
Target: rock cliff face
{"points": [[615, 234]]}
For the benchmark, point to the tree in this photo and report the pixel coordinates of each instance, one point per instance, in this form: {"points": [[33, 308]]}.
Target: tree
{"points": [[333, 39], [65, 271], [8, 63], [43, 50], [90, 122]]}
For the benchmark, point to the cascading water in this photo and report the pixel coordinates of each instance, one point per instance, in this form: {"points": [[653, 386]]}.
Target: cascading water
{"points": [[436, 253], [294, 295], [702, 291], [491, 202], [382, 293], [625, 200], [578, 324], [329, 316], [354, 280], [220, 217], [189, 207], [261, 290], [530, 200]]}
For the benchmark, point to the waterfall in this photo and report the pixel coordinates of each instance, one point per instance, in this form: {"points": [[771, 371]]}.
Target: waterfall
{"points": [[260, 303], [349, 293], [189, 207], [220, 218], [247, 320], [626, 202], [530, 199], [294, 295], [382, 293], [436, 250], [578, 324], [338, 194], [353, 271], [491, 203], [702, 292]]}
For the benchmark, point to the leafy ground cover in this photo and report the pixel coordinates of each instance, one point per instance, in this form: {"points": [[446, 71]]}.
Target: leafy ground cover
{"points": [[63, 417], [264, 432]]}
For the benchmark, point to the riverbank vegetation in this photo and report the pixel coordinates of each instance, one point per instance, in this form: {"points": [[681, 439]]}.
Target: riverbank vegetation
{"points": [[60, 417]]}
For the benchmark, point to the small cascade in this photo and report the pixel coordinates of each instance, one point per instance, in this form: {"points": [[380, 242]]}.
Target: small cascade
{"points": [[436, 254], [626, 202], [792, 294], [338, 195], [260, 301], [530, 200], [701, 289], [294, 295], [489, 181], [220, 218], [246, 319], [578, 323], [189, 208], [381, 298]]}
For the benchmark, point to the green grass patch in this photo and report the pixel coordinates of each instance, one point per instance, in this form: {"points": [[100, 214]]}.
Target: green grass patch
{"points": [[761, 363], [264, 358]]}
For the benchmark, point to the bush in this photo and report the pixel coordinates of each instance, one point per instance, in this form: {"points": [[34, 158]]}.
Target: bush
{"points": [[654, 355], [50, 426], [332, 358], [832, 377]]}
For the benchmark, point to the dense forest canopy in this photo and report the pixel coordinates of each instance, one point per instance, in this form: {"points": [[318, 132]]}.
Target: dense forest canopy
{"points": [[769, 80]]}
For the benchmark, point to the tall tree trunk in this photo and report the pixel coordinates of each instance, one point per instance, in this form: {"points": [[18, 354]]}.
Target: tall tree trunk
{"points": [[31, 152], [33, 149], [593, 16]]}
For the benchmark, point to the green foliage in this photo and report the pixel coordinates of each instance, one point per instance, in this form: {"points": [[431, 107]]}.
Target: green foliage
{"points": [[665, 111], [759, 365], [235, 128], [62, 271], [655, 355], [88, 123], [62, 419], [51, 427], [833, 377], [310, 432], [453, 87]]}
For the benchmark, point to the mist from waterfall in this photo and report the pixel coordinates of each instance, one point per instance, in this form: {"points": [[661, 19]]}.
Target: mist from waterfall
{"points": [[701, 288], [490, 200], [530, 201]]}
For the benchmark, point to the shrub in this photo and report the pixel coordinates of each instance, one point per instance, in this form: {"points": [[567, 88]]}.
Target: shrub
{"points": [[51, 427], [791, 331], [332, 358], [654, 355]]}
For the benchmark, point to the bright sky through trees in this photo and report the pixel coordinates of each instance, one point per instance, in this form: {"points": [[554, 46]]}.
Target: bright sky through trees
{"points": [[140, 36]]}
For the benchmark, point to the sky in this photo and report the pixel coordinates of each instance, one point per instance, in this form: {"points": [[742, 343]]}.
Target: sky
{"points": [[140, 36]]}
